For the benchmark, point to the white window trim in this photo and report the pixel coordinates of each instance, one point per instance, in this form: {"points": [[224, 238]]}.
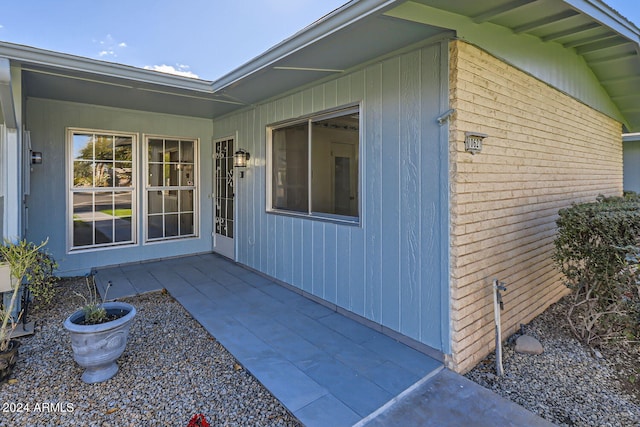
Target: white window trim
{"points": [[145, 187], [309, 118], [69, 189]]}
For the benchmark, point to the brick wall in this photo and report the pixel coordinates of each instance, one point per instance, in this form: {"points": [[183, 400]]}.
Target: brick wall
{"points": [[544, 151]]}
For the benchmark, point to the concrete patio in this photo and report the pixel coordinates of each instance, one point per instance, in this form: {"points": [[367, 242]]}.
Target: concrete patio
{"points": [[326, 368]]}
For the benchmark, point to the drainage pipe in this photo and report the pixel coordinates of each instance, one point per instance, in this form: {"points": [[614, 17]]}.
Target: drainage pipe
{"points": [[497, 307]]}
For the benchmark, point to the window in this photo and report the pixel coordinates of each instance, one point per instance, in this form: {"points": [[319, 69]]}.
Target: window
{"points": [[314, 165], [171, 188], [102, 190]]}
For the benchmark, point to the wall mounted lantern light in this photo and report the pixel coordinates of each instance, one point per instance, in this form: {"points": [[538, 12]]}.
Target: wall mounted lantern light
{"points": [[36, 158], [240, 160], [473, 142]]}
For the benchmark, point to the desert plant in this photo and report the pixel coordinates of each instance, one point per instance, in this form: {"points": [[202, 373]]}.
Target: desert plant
{"points": [[591, 250], [23, 258], [93, 307]]}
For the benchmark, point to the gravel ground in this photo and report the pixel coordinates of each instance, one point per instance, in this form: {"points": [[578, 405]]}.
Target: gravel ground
{"points": [[171, 369], [569, 384]]}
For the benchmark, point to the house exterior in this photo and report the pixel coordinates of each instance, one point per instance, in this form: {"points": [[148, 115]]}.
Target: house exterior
{"points": [[359, 191], [631, 149]]}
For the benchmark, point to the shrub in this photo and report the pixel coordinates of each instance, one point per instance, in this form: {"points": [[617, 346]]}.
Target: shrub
{"points": [[595, 250]]}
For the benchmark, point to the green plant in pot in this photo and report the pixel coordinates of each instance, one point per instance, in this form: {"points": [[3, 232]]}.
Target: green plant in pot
{"points": [[28, 263], [99, 332]]}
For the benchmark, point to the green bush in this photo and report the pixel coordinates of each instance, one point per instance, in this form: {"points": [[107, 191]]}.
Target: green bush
{"points": [[595, 249]]}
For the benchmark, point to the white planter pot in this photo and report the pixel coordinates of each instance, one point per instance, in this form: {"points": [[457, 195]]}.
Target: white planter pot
{"points": [[97, 347], [6, 280]]}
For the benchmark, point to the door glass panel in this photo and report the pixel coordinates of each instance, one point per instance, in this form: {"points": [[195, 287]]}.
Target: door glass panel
{"points": [[123, 174], [103, 175], [154, 202], [83, 174], [155, 226], [171, 225], [123, 148], [156, 150], [83, 146], [186, 224], [224, 178], [102, 163]]}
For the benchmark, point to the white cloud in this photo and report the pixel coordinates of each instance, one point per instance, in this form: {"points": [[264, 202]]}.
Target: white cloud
{"points": [[109, 47], [180, 70]]}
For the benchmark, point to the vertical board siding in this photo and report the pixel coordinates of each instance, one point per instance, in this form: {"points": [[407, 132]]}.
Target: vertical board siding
{"points": [[544, 151], [372, 222], [385, 267], [410, 201], [391, 193], [434, 202]]}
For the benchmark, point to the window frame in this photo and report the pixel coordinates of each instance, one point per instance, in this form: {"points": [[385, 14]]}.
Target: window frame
{"points": [[70, 189], [309, 119], [146, 188]]}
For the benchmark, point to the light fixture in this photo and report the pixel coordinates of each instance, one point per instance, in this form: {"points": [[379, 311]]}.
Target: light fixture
{"points": [[473, 141], [36, 158], [240, 160]]}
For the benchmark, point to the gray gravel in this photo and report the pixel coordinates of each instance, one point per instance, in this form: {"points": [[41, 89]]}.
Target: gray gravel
{"points": [[172, 369], [569, 384]]}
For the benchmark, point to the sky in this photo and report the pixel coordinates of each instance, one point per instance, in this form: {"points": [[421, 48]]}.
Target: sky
{"points": [[197, 38]]}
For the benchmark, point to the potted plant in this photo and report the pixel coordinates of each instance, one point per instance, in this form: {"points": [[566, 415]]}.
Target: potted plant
{"points": [[99, 332], [25, 261]]}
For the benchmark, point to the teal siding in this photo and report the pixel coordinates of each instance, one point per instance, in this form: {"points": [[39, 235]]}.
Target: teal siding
{"points": [[47, 121], [632, 164], [392, 268]]}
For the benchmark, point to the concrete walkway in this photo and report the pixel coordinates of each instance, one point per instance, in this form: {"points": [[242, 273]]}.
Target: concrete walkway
{"points": [[327, 369]]}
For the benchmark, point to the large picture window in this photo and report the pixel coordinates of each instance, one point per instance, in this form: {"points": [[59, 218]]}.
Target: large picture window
{"points": [[102, 190], [171, 188], [314, 165]]}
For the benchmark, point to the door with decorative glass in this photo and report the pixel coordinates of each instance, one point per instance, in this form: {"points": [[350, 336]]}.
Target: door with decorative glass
{"points": [[223, 198]]}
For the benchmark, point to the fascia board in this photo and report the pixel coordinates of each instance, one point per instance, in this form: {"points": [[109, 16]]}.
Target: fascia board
{"points": [[342, 17], [607, 16], [6, 94], [28, 55]]}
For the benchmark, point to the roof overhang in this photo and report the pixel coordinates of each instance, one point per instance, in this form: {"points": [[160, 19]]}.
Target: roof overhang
{"points": [[608, 43], [359, 32]]}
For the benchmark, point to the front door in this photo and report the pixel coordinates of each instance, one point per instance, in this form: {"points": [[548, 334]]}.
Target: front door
{"points": [[223, 204]]}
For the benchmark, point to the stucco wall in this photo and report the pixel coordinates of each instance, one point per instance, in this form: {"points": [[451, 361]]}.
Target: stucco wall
{"points": [[544, 150]]}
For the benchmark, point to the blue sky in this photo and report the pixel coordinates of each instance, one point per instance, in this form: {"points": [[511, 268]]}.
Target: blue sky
{"points": [[205, 38]]}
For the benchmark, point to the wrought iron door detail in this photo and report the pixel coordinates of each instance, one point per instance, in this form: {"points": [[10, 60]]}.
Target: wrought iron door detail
{"points": [[224, 188]]}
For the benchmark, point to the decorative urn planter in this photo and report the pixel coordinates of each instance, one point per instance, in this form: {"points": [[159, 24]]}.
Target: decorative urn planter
{"points": [[97, 347]]}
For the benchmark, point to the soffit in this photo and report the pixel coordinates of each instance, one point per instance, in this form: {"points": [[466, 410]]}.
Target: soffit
{"points": [[609, 44]]}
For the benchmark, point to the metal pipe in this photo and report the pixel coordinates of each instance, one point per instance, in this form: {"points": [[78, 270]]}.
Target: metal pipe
{"points": [[497, 307]]}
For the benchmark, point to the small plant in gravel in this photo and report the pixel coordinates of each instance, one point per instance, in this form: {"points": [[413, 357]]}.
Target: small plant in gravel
{"points": [[596, 249]]}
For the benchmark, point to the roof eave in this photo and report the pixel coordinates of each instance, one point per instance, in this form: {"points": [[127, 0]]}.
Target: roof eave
{"points": [[28, 55], [343, 16]]}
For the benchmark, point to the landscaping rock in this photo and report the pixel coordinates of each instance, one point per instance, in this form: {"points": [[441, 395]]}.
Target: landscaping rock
{"points": [[527, 344], [567, 384]]}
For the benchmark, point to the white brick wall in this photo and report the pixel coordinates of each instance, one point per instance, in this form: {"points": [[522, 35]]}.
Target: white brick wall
{"points": [[544, 151]]}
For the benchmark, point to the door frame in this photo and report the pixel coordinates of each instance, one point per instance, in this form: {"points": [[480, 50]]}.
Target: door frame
{"points": [[224, 245]]}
